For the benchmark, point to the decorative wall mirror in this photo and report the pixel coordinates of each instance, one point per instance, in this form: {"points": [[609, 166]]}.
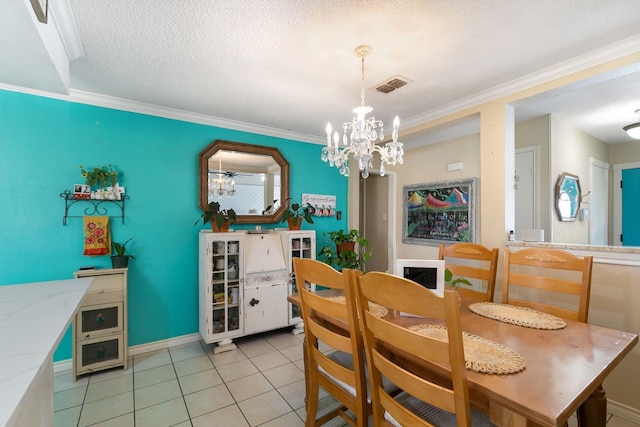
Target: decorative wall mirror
{"points": [[250, 179], [568, 195]]}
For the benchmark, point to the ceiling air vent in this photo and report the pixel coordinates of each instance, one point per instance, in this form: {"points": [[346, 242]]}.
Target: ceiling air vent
{"points": [[392, 84]]}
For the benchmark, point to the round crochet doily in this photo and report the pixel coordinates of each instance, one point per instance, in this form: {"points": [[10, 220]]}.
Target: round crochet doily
{"points": [[480, 354], [521, 316]]}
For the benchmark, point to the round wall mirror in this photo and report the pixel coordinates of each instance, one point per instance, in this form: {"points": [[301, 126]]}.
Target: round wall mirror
{"points": [[250, 179]]}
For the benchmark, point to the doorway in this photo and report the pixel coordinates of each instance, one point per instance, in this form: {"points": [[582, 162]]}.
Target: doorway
{"points": [[377, 219], [624, 231], [596, 210], [526, 190]]}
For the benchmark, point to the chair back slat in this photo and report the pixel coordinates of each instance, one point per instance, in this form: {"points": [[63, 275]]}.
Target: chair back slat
{"points": [[457, 259], [555, 273]]}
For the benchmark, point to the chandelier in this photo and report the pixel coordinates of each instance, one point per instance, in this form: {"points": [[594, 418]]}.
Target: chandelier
{"points": [[219, 183], [362, 135]]}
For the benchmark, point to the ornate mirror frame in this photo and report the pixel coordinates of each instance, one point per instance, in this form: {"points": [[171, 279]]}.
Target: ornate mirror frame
{"points": [[203, 177], [568, 196]]}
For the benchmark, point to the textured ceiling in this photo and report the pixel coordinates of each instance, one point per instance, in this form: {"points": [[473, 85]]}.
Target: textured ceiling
{"points": [[289, 64]]}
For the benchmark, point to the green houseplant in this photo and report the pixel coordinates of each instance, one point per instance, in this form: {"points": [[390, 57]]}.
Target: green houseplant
{"points": [[121, 258], [343, 253], [220, 219], [102, 177], [295, 214], [453, 283]]}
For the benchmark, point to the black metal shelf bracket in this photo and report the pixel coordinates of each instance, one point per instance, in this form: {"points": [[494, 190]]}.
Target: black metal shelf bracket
{"points": [[95, 206]]}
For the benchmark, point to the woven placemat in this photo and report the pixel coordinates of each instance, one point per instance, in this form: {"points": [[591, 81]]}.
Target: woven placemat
{"points": [[480, 354], [376, 309], [521, 316]]}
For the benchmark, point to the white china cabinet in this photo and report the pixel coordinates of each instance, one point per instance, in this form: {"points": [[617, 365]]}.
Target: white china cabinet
{"points": [[243, 285]]}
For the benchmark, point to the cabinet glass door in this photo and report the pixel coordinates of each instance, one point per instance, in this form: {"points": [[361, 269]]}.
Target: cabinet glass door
{"points": [[225, 285]]}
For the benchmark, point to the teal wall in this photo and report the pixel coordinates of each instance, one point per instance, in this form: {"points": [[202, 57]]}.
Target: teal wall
{"points": [[42, 143]]}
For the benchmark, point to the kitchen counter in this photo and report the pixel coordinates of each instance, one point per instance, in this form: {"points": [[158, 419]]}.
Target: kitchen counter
{"points": [[33, 319]]}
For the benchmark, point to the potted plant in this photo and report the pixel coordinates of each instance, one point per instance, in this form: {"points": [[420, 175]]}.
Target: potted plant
{"points": [[102, 177], [453, 283], [295, 214], [121, 258], [220, 219], [344, 253]]}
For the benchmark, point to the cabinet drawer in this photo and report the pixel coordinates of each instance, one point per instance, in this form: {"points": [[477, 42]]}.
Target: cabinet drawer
{"points": [[99, 353], [103, 298], [99, 320], [107, 283]]}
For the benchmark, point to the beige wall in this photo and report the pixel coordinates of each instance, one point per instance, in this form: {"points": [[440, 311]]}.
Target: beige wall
{"points": [[429, 164], [570, 152]]}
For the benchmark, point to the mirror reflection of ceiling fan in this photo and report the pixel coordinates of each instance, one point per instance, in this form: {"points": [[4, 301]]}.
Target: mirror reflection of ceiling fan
{"points": [[229, 174]]}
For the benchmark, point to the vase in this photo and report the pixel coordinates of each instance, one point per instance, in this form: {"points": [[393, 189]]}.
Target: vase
{"points": [[223, 229], [293, 226]]}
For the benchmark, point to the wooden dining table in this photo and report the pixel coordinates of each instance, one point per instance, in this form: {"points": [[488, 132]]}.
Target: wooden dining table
{"points": [[564, 370]]}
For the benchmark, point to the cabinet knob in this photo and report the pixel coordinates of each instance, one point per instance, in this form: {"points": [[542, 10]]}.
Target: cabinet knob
{"points": [[254, 302]]}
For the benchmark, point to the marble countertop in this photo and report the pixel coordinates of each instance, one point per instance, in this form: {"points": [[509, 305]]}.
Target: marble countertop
{"points": [[618, 255], [33, 319]]}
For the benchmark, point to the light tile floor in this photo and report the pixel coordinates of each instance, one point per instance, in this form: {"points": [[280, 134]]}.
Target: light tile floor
{"points": [[259, 384]]}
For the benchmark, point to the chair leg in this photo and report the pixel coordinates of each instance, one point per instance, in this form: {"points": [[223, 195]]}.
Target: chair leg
{"points": [[313, 392]]}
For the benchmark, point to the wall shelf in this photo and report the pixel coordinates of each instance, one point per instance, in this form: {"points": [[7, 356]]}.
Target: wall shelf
{"points": [[93, 206]]}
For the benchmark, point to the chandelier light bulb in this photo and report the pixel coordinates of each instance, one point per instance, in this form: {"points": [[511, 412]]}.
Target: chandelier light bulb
{"points": [[360, 135]]}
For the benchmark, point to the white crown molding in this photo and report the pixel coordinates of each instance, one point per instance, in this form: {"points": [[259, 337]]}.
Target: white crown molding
{"points": [[62, 17], [579, 63], [187, 116], [98, 100], [599, 56]]}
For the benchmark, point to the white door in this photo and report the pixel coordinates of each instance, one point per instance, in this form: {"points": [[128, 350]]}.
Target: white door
{"points": [[525, 190], [598, 203]]}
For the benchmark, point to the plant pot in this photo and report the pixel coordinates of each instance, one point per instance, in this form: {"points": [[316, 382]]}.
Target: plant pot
{"points": [[293, 226], [223, 229], [346, 246], [119, 261]]}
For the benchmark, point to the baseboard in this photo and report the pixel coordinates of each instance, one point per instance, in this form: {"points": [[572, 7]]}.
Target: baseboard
{"points": [[67, 365], [623, 411], [161, 345]]}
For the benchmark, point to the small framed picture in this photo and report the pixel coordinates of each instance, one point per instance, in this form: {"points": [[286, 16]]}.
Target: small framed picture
{"points": [[81, 191]]}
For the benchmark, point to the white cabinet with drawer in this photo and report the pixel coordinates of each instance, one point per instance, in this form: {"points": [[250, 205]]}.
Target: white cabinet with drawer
{"points": [[100, 325]]}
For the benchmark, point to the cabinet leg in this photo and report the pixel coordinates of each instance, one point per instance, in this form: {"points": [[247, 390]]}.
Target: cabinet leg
{"points": [[224, 345], [298, 329]]}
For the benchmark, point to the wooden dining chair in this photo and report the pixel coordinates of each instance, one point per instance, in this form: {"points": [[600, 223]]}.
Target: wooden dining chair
{"points": [[482, 266], [423, 402], [338, 366], [546, 270]]}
